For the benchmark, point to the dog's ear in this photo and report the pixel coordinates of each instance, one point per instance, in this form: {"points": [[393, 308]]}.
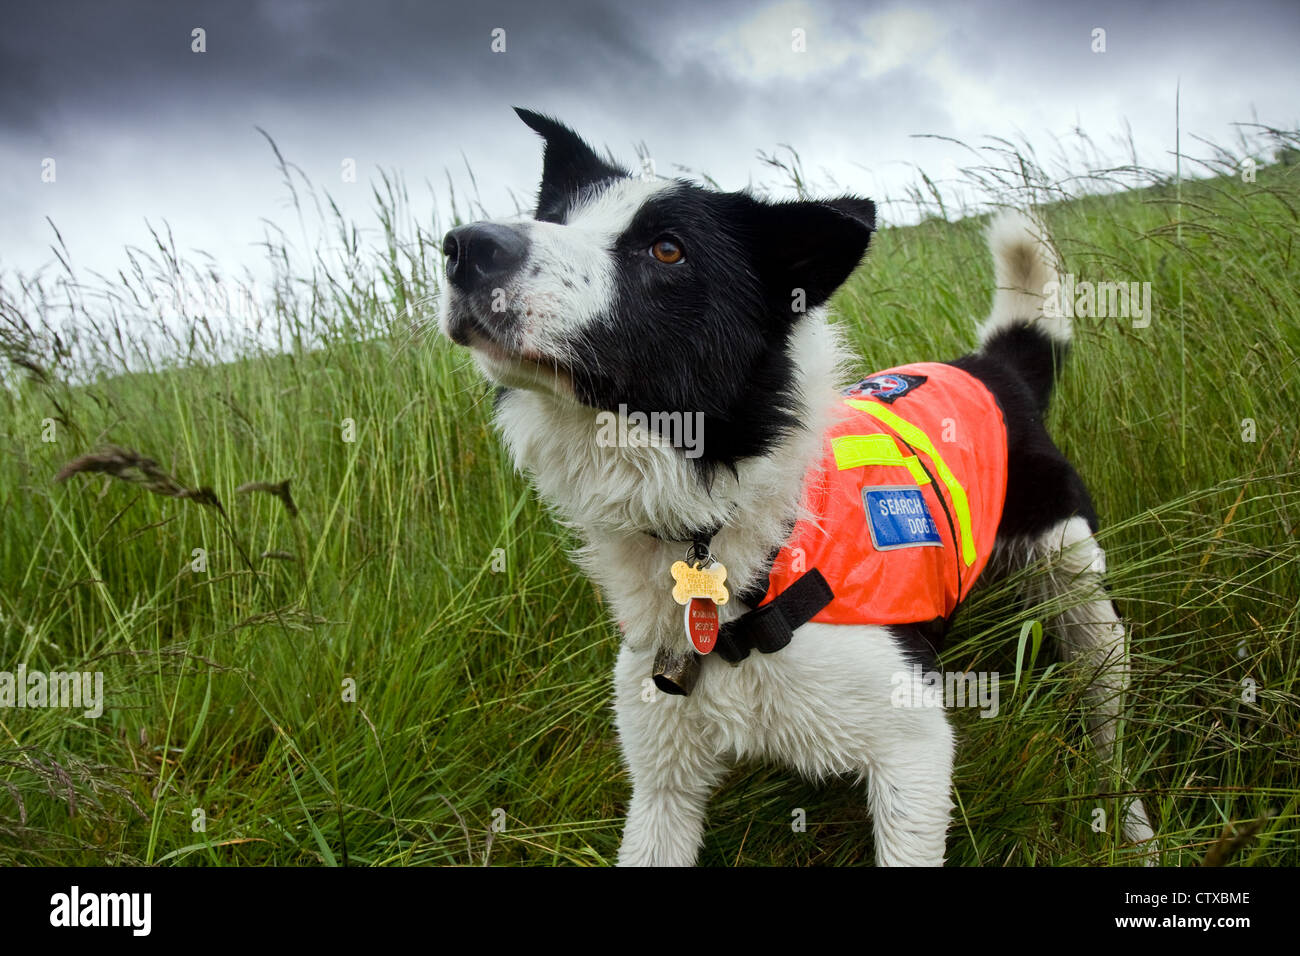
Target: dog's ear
{"points": [[568, 164], [805, 250]]}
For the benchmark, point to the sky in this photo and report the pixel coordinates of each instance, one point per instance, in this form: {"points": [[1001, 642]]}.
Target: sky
{"points": [[142, 128]]}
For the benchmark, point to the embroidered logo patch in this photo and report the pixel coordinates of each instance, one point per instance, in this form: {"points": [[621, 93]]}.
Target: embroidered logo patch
{"points": [[898, 517], [886, 387]]}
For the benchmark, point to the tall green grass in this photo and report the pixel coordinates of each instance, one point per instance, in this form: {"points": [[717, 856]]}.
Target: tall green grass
{"points": [[420, 576]]}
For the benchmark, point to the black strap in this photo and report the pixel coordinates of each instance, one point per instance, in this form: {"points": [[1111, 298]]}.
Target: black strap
{"points": [[770, 627], [700, 534]]}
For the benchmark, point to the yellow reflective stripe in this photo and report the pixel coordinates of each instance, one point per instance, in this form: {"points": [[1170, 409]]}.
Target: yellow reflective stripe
{"points": [[921, 441], [855, 451]]}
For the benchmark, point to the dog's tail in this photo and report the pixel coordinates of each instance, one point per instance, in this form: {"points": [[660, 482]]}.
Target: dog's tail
{"points": [[1026, 329]]}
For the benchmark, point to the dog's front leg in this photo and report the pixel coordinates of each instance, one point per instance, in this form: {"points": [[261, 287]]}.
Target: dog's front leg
{"points": [[674, 770], [910, 789], [665, 826]]}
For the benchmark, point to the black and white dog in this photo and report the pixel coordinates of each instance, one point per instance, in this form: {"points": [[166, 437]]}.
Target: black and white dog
{"points": [[632, 297]]}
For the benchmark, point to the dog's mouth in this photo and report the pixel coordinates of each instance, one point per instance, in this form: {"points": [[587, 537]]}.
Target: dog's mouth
{"points": [[506, 362], [530, 359]]}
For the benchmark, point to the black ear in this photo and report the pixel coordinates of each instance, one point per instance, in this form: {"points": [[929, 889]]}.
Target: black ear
{"points": [[568, 164], [810, 246]]}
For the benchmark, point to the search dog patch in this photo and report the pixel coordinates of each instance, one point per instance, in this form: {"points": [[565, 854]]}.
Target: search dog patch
{"points": [[898, 517]]}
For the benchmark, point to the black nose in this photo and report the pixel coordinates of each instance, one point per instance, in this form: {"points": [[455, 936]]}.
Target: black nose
{"points": [[482, 254]]}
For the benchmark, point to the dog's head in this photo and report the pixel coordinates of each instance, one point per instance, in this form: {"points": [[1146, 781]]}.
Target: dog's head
{"points": [[649, 295]]}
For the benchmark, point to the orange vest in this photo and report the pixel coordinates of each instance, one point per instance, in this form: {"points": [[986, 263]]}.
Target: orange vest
{"points": [[907, 498]]}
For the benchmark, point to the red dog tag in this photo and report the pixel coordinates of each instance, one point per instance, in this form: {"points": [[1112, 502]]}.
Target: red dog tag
{"points": [[702, 623]]}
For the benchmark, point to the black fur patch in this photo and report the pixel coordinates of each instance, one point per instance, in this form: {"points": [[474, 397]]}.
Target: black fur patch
{"points": [[921, 643], [709, 334], [1036, 357], [1043, 488]]}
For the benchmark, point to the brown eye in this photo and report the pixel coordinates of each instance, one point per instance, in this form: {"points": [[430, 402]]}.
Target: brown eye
{"points": [[667, 251]]}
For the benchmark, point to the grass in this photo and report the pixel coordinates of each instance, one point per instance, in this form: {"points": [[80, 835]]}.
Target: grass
{"points": [[409, 671]]}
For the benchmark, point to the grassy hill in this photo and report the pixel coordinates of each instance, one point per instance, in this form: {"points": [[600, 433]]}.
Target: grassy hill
{"points": [[409, 671]]}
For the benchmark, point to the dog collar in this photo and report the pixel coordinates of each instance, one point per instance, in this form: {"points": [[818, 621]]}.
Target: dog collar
{"points": [[694, 537], [766, 628], [700, 587]]}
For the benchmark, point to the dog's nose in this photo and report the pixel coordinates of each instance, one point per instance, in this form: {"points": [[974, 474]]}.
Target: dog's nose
{"points": [[481, 254]]}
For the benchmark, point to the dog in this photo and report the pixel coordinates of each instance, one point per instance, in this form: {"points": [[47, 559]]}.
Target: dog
{"points": [[751, 629]]}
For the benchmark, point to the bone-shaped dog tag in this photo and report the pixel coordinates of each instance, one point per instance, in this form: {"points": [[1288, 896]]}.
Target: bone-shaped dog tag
{"points": [[696, 582]]}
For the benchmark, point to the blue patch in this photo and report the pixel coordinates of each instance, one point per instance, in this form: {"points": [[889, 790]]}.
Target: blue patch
{"points": [[886, 387], [898, 517]]}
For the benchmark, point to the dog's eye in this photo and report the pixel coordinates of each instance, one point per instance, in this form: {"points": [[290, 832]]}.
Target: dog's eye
{"points": [[667, 250]]}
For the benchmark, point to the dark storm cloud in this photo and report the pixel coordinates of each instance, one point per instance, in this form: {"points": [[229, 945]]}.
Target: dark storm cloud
{"points": [[61, 59], [133, 59], [63, 62], [58, 59]]}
